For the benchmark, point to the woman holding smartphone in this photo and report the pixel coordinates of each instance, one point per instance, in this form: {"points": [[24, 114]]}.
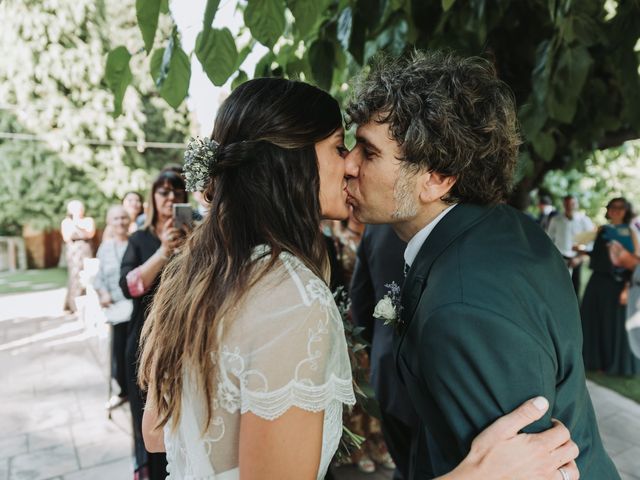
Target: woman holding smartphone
{"points": [[147, 253]]}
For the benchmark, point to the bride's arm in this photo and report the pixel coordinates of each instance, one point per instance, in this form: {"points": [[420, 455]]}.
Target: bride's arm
{"points": [[287, 448], [500, 452], [153, 437]]}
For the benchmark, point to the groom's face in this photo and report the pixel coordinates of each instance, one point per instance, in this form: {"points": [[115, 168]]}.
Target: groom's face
{"points": [[378, 189]]}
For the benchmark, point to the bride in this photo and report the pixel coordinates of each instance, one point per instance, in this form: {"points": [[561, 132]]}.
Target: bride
{"points": [[244, 354]]}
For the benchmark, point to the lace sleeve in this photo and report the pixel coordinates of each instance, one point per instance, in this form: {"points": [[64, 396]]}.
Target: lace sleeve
{"points": [[287, 349]]}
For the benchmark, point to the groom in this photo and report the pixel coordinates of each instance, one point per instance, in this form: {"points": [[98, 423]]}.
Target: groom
{"points": [[488, 317]]}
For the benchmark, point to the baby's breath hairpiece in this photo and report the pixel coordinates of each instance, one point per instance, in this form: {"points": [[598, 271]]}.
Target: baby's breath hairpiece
{"points": [[199, 159]]}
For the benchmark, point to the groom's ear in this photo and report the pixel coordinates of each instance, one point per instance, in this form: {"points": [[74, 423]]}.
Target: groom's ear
{"points": [[434, 186]]}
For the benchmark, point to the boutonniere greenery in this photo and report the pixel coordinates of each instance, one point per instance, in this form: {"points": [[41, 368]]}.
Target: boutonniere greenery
{"points": [[389, 308], [365, 397]]}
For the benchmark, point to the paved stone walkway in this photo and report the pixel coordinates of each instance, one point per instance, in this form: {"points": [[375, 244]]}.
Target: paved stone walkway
{"points": [[53, 386]]}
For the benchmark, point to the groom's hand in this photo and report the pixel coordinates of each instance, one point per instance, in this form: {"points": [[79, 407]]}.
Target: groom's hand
{"points": [[500, 452]]}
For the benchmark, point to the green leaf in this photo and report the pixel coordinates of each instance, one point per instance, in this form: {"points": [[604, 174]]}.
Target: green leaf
{"points": [[307, 15], [524, 166], [371, 12], [239, 80], [321, 59], [118, 76], [147, 13], [263, 67], [358, 38], [544, 145], [244, 53], [532, 119], [345, 23], [447, 4], [209, 13], [175, 85], [568, 79], [164, 6], [217, 53], [545, 55], [265, 19]]}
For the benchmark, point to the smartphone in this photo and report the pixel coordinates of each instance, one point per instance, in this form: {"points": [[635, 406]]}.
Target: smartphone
{"points": [[182, 215]]}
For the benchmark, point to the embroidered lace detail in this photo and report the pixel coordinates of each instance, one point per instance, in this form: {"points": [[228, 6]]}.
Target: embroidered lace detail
{"points": [[284, 347]]}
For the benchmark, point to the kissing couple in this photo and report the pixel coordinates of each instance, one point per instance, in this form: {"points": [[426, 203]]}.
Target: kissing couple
{"points": [[243, 353]]}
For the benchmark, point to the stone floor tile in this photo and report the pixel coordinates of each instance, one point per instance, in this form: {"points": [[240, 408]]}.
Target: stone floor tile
{"points": [[629, 476], [44, 464], [14, 445], [627, 461], [615, 445], [90, 432], [49, 438], [118, 470], [624, 426], [106, 451], [4, 469]]}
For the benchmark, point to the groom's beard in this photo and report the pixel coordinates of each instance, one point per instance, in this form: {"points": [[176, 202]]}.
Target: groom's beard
{"points": [[403, 191]]}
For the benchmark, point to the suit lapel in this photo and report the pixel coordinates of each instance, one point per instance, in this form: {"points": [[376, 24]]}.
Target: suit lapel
{"points": [[455, 223]]}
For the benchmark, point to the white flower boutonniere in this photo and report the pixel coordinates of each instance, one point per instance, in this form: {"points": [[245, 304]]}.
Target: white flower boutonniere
{"points": [[389, 307]]}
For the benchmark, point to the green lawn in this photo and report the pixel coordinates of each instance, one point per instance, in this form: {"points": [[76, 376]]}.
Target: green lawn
{"points": [[627, 386], [32, 280]]}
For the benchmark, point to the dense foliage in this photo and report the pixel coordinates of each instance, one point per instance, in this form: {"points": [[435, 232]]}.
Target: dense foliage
{"points": [[573, 65], [53, 93]]}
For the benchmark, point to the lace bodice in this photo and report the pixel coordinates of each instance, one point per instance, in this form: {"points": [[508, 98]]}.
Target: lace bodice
{"points": [[283, 346]]}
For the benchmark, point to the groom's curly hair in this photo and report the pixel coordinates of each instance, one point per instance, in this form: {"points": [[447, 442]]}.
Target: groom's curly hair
{"points": [[449, 114]]}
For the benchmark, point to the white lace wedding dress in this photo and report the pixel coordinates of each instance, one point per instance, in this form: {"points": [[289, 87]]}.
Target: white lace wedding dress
{"points": [[284, 347]]}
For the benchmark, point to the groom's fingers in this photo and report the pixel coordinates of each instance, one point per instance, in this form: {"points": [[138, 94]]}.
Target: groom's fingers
{"points": [[570, 469], [566, 453], [554, 437], [527, 413]]}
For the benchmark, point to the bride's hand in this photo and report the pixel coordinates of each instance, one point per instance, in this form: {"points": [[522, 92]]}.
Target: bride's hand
{"points": [[500, 452]]}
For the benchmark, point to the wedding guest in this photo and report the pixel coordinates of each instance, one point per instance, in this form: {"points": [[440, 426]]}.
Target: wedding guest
{"points": [[606, 346], [347, 234], [547, 211], [379, 263], [621, 257], [203, 206], [563, 230], [147, 253], [134, 206], [77, 231], [109, 293]]}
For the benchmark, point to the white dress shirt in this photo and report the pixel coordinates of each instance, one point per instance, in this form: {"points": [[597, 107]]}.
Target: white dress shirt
{"points": [[563, 231], [416, 242]]}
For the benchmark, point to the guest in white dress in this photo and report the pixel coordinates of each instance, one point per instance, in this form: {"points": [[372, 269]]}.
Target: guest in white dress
{"points": [[243, 352]]}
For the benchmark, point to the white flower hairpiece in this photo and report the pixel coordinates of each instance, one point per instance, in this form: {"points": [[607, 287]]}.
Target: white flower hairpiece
{"points": [[199, 159]]}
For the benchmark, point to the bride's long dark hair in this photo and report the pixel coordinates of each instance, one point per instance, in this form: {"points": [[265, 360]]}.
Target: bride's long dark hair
{"points": [[264, 191]]}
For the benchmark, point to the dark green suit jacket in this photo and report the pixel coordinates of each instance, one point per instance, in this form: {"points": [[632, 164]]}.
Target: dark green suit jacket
{"points": [[490, 319]]}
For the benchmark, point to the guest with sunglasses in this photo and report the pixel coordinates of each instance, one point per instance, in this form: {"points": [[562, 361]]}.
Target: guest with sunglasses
{"points": [[147, 253]]}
